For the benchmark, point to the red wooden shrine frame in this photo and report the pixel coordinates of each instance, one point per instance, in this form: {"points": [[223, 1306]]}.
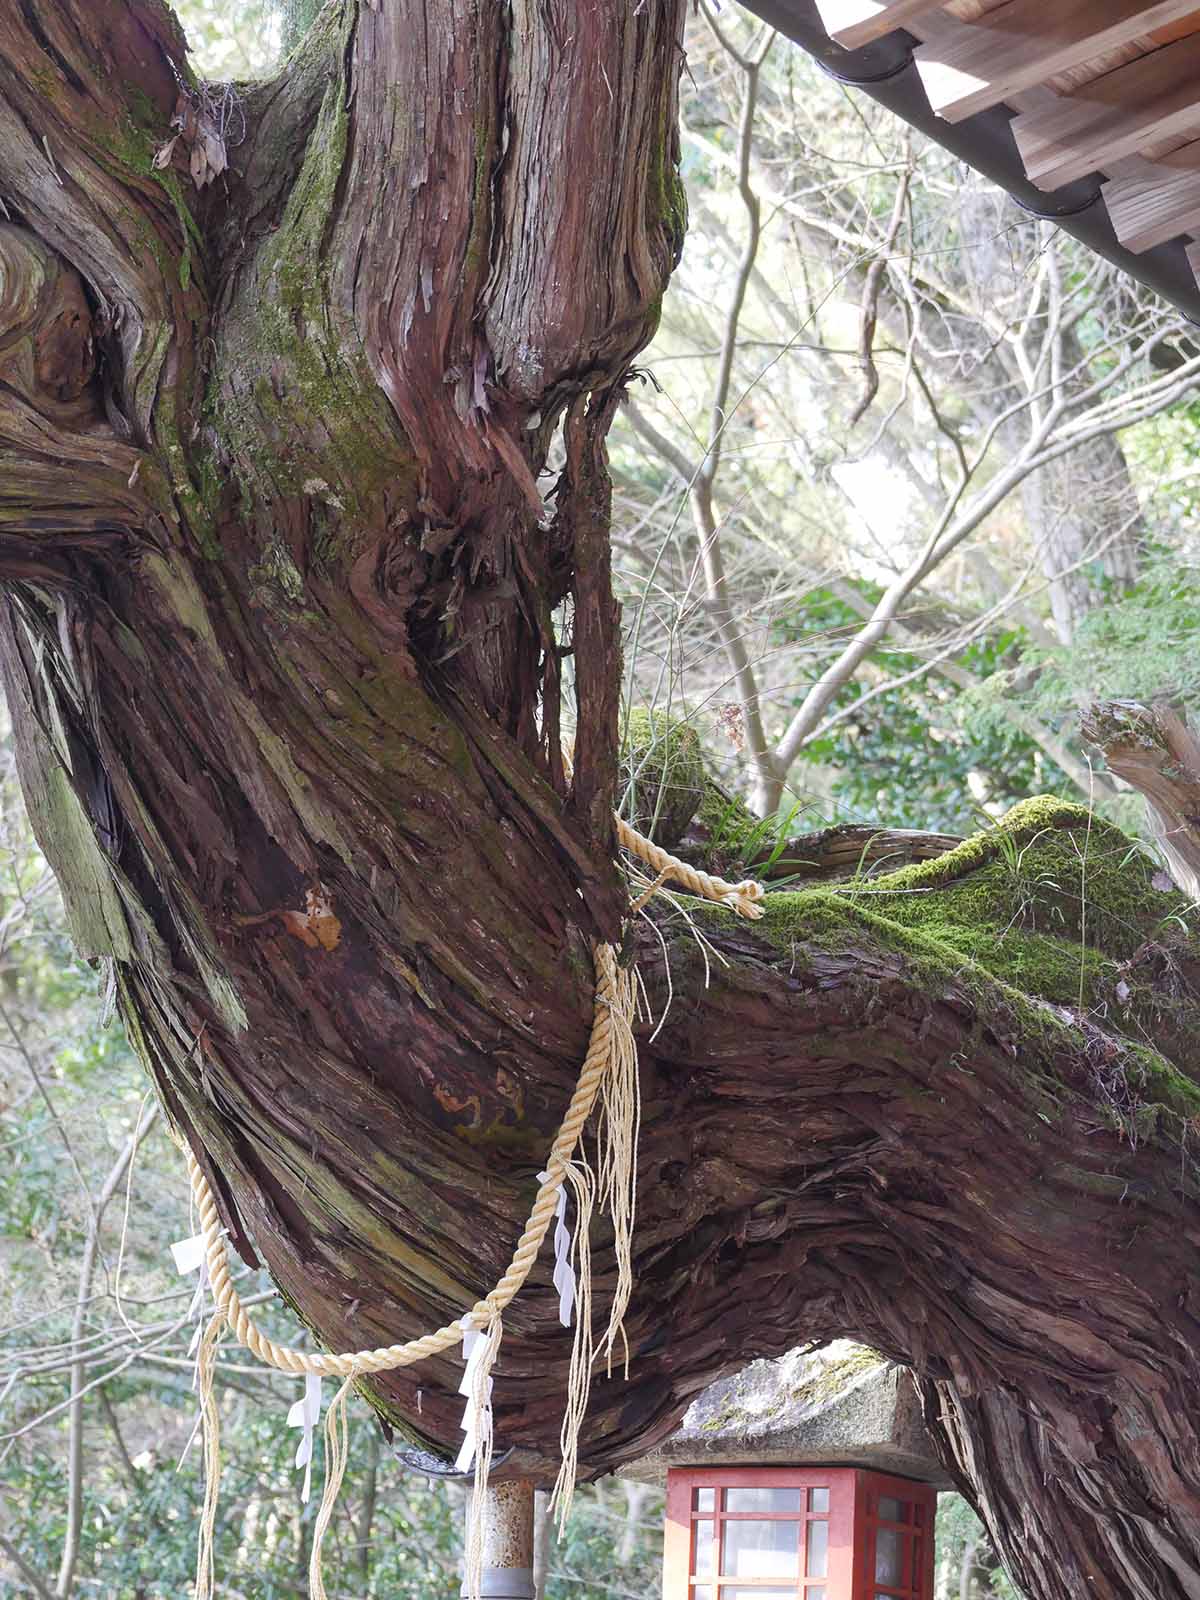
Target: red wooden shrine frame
{"points": [[840, 1533]]}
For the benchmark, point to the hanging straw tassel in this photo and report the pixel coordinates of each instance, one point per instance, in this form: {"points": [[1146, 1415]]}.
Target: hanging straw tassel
{"points": [[579, 1381], [210, 1419], [481, 1401], [621, 1109], [337, 1441]]}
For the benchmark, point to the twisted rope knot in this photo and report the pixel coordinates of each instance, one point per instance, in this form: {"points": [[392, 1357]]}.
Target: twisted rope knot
{"points": [[746, 899], [608, 1075]]}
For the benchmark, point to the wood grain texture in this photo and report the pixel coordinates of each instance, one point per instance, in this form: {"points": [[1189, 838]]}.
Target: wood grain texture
{"points": [[1028, 42], [1150, 206], [1117, 115], [857, 22]]}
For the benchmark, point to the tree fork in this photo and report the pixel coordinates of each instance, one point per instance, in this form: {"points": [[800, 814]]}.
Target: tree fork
{"points": [[280, 645]]}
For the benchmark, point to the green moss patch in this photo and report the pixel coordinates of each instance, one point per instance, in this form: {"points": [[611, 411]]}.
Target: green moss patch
{"points": [[319, 425], [662, 770], [1052, 917], [1051, 900]]}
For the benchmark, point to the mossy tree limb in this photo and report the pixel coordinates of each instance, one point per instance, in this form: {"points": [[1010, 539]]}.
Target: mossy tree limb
{"points": [[280, 587], [904, 1145]]}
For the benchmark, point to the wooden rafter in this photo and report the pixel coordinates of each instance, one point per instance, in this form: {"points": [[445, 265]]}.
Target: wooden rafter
{"points": [[857, 22], [1156, 201], [1027, 42], [1096, 86], [1155, 97]]}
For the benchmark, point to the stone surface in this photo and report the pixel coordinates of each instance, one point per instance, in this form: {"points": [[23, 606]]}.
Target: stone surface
{"points": [[841, 1406]]}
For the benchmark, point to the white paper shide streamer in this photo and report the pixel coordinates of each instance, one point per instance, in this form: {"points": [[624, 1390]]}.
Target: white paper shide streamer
{"points": [[305, 1415], [189, 1257], [564, 1272], [476, 1420]]}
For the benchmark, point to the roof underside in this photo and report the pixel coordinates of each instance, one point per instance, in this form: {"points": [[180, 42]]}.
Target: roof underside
{"points": [[1086, 111]]}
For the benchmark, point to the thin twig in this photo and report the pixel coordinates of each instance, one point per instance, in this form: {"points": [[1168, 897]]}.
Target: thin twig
{"points": [[869, 308], [87, 1268], [26, 1571]]}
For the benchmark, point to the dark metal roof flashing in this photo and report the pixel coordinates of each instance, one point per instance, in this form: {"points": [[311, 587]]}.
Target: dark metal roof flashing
{"points": [[887, 72]]}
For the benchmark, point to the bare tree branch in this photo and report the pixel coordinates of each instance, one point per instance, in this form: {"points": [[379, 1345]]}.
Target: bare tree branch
{"points": [[869, 311], [87, 1267], [700, 479]]}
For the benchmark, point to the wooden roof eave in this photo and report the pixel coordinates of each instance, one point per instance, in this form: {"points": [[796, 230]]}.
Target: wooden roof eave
{"points": [[1138, 210]]}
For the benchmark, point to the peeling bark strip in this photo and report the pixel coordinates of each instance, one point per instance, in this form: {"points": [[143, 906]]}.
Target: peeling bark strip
{"points": [[281, 649], [1153, 749]]}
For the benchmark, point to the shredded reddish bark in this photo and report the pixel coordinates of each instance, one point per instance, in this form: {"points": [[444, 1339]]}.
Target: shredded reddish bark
{"points": [[280, 649]]}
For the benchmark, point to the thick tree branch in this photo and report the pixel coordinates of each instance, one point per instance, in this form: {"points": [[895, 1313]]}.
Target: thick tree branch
{"points": [[890, 1240], [102, 308], [462, 119]]}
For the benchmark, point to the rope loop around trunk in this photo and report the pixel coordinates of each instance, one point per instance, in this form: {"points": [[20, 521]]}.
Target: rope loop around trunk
{"points": [[612, 1008], [608, 1076]]}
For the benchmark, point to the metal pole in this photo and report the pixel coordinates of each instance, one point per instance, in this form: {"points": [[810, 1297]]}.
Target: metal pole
{"points": [[507, 1516]]}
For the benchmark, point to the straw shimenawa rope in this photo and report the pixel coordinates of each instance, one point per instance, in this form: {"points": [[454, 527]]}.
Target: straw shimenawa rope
{"points": [[745, 898], [609, 1065], [610, 1002]]}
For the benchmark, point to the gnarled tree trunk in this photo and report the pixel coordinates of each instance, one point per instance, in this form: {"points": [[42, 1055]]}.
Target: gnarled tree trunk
{"points": [[288, 595]]}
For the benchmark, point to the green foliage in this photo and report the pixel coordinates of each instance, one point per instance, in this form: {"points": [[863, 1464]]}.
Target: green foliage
{"points": [[611, 1548], [960, 1538], [912, 757], [1139, 645]]}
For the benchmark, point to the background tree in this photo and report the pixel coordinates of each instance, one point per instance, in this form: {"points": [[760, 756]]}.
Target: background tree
{"points": [[901, 432]]}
